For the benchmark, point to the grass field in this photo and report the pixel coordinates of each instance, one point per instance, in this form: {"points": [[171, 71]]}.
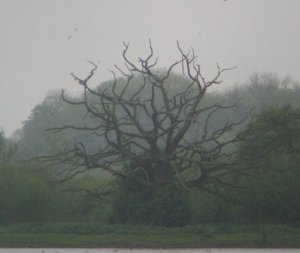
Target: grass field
{"points": [[97, 235]]}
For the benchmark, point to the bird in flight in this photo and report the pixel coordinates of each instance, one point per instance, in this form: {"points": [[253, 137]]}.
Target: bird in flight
{"points": [[71, 35]]}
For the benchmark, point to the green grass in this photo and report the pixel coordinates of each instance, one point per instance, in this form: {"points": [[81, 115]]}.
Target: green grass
{"points": [[97, 235]]}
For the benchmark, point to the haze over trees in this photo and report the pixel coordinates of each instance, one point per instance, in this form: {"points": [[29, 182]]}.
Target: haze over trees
{"points": [[161, 127], [155, 147]]}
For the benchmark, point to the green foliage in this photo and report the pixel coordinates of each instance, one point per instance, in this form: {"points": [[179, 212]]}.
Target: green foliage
{"points": [[25, 196], [127, 229], [274, 131], [22, 196], [7, 149], [273, 193], [208, 208], [158, 204], [269, 194], [273, 138], [97, 235]]}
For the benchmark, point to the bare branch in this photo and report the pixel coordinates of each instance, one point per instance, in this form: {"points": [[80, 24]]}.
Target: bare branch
{"points": [[141, 116]]}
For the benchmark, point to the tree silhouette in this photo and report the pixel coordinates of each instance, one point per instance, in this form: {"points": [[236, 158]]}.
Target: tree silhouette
{"points": [[155, 123]]}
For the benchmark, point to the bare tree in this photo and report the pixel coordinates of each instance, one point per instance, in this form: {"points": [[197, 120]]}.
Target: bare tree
{"points": [[162, 132]]}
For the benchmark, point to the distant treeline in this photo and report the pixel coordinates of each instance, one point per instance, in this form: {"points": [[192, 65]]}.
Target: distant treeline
{"points": [[36, 192]]}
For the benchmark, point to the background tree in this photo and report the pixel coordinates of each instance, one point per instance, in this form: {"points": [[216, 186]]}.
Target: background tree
{"points": [[267, 190], [273, 139], [273, 132], [7, 149]]}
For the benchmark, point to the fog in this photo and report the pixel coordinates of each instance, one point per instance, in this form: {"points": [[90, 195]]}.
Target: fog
{"points": [[43, 41]]}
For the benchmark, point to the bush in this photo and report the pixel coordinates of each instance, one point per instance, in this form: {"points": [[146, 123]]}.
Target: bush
{"points": [[159, 205], [26, 197], [23, 197]]}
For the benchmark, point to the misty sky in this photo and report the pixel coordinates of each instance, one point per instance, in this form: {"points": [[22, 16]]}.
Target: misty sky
{"points": [[43, 41]]}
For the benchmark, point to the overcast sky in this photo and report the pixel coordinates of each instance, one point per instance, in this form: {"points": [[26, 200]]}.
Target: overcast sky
{"points": [[43, 41]]}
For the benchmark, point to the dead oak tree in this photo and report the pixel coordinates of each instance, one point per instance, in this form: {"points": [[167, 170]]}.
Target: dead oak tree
{"points": [[159, 130]]}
